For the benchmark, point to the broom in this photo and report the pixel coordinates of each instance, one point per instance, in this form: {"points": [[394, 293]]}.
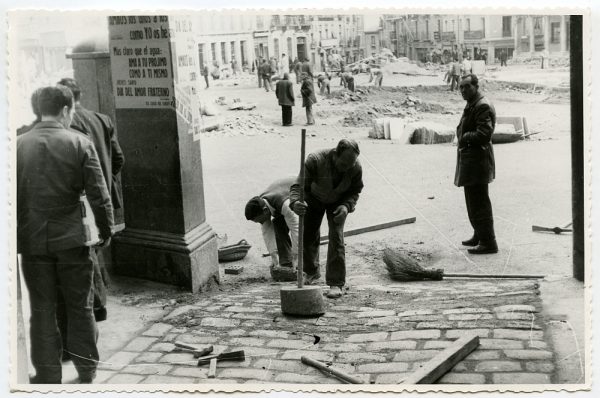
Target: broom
{"points": [[403, 268]]}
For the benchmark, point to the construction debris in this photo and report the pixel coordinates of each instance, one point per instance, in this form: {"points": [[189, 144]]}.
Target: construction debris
{"points": [[234, 252], [234, 269]]}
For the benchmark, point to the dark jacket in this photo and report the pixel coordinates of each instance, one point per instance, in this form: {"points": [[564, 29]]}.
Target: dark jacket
{"points": [[54, 167], [284, 90], [308, 93], [475, 159], [101, 131], [307, 67], [323, 183], [278, 192], [265, 70]]}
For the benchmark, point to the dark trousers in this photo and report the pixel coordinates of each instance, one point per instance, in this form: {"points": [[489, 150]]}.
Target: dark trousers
{"points": [[283, 240], [479, 209], [309, 115], [351, 85], [454, 81], [72, 269], [206, 80], [267, 83], [502, 62], [335, 274], [286, 115]]}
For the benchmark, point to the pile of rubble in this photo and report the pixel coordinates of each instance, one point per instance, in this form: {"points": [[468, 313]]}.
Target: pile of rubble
{"points": [[249, 124]]}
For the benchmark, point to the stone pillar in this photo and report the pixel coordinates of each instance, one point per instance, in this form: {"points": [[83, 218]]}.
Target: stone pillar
{"points": [[563, 34], [547, 35], [155, 81], [227, 51], [531, 35], [237, 50], [249, 43], [516, 37], [491, 57]]}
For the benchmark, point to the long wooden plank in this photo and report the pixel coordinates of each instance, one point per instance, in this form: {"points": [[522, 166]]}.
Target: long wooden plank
{"points": [[331, 371], [495, 276], [376, 227], [212, 370], [439, 365]]}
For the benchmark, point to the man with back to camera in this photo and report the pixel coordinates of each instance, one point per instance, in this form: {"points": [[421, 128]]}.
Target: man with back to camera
{"points": [[332, 184], [279, 224], [284, 90], [54, 167], [475, 165]]}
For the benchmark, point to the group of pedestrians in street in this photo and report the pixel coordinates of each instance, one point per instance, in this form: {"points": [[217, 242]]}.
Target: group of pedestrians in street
{"points": [[66, 153]]}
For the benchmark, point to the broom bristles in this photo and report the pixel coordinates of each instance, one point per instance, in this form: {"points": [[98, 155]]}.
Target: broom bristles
{"points": [[404, 268]]}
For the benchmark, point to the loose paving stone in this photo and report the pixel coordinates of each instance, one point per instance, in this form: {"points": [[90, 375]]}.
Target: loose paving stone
{"points": [[499, 344], [466, 311], [252, 341], [118, 360], [220, 322], [462, 378], [518, 334], [392, 345], [498, 366], [415, 355], [540, 367], [241, 373], [338, 347], [391, 378], [256, 309], [124, 378], [479, 355], [520, 316], [521, 378], [389, 367], [237, 333], [150, 369], [148, 357], [542, 345], [318, 355], [140, 344], [515, 308], [387, 320], [180, 311], [528, 354], [190, 371], [357, 357], [366, 337], [158, 329], [415, 312], [416, 334], [470, 317], [163, 379], [305, 379], [435, 344], [458, 333], [162, 347], [373, 314]]}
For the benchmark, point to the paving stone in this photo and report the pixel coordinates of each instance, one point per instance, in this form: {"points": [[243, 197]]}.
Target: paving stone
{"points": [[435, 344], [190, 371], [436, 325], [217, 381], [525, 325], [542, 345], [366, 337], [388, 367], [118, 360], [540, 367], [521, 378], [163, 379], [479, 355], [477, 324], [103, 375], [251, 316], [305, 379], [180, 311], [528, 354], [339, 347], [237, 333], [518, 334], [148, 357], [458, 333], [468, 310], [470, 317], [213, 308], [289, 344], [150, 369], [386, 320], [252, 341], [415, 312], [241, 373], [416, 334], [462, 378], [520, 316], [220, 322], [198, 339], [499, 344], [178, 358], [158, 329], [258, 351], [375, 313], [515, 308], [391, 378], [322, 356], [282, 365], [140, 344], [162, 347], [275, 334], [354, 357], [498, 366], [392, 345], [255, 309], [124, 378], [424, 318], [415, 355]]}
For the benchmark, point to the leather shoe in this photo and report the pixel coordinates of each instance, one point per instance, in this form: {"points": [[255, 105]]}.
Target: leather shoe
{"points": [[334, 292], [87, 378], [489, 248], [474, 241], [309, 279]]}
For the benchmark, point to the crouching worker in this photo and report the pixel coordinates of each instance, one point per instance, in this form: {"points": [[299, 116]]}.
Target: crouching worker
{"points": [[279, 223]]}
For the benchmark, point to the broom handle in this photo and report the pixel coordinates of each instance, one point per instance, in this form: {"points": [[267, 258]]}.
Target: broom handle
{"points": [[301, 218]]}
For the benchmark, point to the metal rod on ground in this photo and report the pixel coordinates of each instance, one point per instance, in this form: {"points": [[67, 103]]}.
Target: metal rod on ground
{"points": [[377, 227], [301, 218], [495, 276], [331, 371]]}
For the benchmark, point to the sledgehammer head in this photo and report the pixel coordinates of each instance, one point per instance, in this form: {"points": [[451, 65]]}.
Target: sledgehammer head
{"points": [[302, 301]]}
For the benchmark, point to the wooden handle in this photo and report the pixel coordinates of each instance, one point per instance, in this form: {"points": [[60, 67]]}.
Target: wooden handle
{"points": [[301, 218], [332, 371]]}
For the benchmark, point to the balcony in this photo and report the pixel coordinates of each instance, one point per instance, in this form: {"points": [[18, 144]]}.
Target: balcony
{"points": [[474, 34]]}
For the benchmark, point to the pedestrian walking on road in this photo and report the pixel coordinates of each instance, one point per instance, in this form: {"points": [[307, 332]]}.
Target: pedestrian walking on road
{"points": [[308, 97], [54, 167], [205, 73], [475, 165], [503, 57], [297, 67], [265, 72], [284, 90], [456, 68], [332, 184]]}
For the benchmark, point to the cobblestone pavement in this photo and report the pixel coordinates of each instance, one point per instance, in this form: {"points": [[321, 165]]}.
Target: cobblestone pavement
{"points": [[378, 333]]}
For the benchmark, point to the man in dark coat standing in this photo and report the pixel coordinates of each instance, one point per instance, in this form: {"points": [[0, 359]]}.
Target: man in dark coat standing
{"points": [[265, 73], [308, 97], [284, 90], [332, 184], [54, 167], [475, 167], [306, 67]]}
